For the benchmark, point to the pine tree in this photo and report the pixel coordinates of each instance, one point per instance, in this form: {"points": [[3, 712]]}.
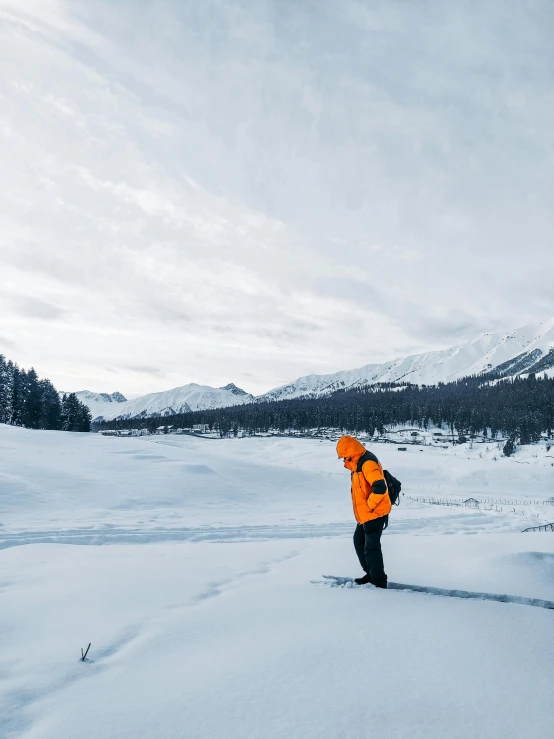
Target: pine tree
{"points": [[6, 389], [51, 407], [31, 399], [69, 412], [84, 417], [75, 415], [18, 395], [27, 401]]}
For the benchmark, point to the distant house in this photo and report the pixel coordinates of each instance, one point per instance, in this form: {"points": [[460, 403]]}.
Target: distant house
{"points": [[549, 501], [200, 428], [471, 503], [164, 429]]}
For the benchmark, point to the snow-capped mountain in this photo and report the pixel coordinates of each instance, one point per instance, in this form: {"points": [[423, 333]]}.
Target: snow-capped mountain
{"points": [[99, 403], [527, 349], [190, 397]]}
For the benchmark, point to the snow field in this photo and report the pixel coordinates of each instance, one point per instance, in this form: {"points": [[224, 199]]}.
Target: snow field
{"points": [[185, 487], [209, 625], [230, 640]]}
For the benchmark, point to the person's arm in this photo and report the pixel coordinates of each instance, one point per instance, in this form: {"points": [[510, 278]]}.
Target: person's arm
{"points": [[372, 473]]}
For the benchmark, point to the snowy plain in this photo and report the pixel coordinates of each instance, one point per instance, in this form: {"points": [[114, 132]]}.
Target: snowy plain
{"points": [[195, 567]]}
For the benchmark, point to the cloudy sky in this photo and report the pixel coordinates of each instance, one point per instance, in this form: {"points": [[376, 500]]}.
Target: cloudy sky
{"points": [[250, 191]]}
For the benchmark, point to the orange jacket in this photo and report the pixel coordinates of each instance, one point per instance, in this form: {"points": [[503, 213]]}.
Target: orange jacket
{"points": [[370, 496]]}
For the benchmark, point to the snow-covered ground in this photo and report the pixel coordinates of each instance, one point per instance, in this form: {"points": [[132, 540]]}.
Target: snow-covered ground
{"points": [[195, 567]]}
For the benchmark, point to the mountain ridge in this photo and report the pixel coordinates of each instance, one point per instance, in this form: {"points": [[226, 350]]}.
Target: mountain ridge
{"points": [[529, 348], [475, 357], [182, 399]]}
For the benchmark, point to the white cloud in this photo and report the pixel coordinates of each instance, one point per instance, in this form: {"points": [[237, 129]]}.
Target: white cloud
{"points": [[233, 191]]}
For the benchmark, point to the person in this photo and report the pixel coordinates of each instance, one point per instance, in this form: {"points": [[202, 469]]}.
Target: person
{"points": [[371, 502]]}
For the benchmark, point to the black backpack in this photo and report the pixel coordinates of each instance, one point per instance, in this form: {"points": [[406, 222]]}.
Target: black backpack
{"points": [[394, 486]]}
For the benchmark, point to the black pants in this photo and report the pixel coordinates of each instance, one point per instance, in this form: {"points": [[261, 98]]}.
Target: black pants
{"points": [[367, 542]]}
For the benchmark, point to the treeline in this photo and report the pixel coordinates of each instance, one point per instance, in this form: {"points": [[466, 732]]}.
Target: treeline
{"points": [[26, 400], [521, 409]]}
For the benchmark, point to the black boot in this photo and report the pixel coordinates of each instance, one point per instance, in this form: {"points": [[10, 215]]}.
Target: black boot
{"points": [[381, 583], [363, 580]]}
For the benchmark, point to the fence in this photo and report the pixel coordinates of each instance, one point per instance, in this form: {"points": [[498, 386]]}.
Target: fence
{"points": [[435, 501], [544, 527], [460, 501], [511, 501]]}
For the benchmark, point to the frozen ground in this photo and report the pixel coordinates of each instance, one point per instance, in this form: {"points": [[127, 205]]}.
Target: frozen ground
{"points": [[203, 613]]}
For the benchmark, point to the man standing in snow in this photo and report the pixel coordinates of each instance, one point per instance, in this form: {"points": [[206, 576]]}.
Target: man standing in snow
{"points": [[372, 504]]}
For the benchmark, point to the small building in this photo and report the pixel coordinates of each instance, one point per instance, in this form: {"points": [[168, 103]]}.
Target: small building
{"points": [[471, 503], [164, 429], [200, 428], [549, 501]]}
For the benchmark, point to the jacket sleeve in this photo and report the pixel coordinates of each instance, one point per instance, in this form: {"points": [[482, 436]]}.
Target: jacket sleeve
{"points": [[373, 474]]}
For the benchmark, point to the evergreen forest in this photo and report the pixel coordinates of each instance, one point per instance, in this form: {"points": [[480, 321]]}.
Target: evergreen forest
{"points": [[521, 409], [26, 400]]}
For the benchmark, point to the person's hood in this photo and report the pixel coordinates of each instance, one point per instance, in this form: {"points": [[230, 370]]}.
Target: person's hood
{"points": [[348, 446]]}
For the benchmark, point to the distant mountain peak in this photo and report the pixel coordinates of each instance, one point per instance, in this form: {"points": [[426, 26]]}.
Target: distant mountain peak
{"points": [[184, 399], [85, 395], [232, 388], [116, 397]]}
